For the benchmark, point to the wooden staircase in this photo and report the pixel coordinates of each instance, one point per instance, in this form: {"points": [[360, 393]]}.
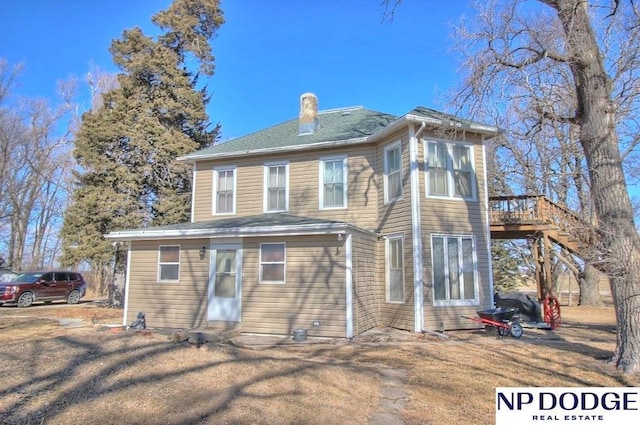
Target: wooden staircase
{"points": [[537, 218]]}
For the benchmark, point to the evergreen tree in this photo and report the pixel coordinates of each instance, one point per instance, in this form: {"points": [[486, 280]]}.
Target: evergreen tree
{"points": [[127, 148]]}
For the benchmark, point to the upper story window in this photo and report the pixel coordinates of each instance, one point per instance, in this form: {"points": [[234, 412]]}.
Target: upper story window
{"points": [[450, 170], [276, 187], [454, 270], [392, 172], [333, 182], [224, 183], [168, 263]]}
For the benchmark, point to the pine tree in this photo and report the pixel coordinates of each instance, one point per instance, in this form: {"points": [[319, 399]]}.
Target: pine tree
{"points": [[127, 148]]}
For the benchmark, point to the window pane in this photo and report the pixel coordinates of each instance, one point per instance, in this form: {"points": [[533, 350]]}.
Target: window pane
{"points": [[273, 177], [438, 181], [273, 272], [276, 199], [272, 253], [329, 167], [393, 159], [463, 183], [396, 276], [225, 286], [395, 185], [226, 261], [168, 272], [225, 180], [395, 254], [468, 269], [454, 269], [438, 175], [333, 195], [169, 254], [396, 286], [462, 157], [439, 278]]}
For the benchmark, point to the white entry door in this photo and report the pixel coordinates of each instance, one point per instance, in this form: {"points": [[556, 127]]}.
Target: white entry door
{"points": [[225, 282]]}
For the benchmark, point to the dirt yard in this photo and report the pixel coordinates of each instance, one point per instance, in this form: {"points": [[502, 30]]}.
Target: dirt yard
{"points": [[54, 375]]}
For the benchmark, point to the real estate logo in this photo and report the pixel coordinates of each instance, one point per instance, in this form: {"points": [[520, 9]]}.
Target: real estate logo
{"points": [[567, 405]]}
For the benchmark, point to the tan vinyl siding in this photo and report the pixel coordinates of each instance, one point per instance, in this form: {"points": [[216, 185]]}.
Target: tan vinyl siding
{"points": [[395, 218], [456, 217], [303, 186], [181, 304], [314, 289], [366, 300]]}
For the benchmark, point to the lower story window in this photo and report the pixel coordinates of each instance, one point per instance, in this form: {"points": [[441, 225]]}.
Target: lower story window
{"points": [[169, 263], [454, 270], [395, 269], [272, 262]]}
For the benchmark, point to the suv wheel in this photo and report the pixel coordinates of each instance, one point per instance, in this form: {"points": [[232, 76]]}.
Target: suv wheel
{"points": [[25, 299], [74, 297]]}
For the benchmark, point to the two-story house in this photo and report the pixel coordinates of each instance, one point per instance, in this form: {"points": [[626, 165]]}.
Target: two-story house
{"points": [[337, 221]]}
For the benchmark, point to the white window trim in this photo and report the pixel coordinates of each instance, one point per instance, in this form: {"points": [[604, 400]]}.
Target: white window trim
{"points": [[448, 303], [345, 183], [284, 263], [387, 277], [387, 148], [160, 263], [265, 191], [450, 180], [216, 171]]}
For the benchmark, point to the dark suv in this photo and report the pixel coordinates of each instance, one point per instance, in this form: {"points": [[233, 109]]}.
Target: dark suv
{"points": [[28, 288]]}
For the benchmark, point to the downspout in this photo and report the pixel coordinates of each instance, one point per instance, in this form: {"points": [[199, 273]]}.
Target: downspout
{"points": [[126, 284], [488, 225], [193, 193], [348, 260], [416, 228]]}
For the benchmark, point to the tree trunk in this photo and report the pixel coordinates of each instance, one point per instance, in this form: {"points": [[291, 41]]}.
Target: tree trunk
{"points": [[619, 242], [590, 287]]}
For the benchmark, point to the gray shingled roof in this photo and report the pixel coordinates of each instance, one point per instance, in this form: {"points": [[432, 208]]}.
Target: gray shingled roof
{"points": [[334, 125], [252, 221], [238, 226], [337, 125]]}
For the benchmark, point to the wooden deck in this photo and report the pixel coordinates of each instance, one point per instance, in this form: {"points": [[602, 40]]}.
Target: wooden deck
{"points": [[543, 221]]}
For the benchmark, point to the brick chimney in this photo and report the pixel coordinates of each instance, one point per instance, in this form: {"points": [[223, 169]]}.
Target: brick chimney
{"points": [[308, 121]]}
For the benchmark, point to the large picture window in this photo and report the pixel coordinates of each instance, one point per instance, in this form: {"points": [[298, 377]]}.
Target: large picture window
{"points": [[395, 268], [276, 190], [272, 262], [450, 171], [392, 172], [224, 183], [169, 263], [454, 270], [333, 183]]}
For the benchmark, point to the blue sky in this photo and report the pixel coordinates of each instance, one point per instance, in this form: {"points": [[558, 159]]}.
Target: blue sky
{"points": [[267, 53]]}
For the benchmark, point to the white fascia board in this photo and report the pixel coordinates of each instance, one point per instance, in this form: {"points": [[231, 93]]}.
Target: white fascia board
{"points": [[314, 229], [485, 130]]}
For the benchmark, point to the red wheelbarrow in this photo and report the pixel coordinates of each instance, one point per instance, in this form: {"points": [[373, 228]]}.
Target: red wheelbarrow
{"points": [[505, 320]]}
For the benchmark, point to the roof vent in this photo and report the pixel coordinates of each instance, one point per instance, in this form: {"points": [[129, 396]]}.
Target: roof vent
{"points": [[308, 121]]}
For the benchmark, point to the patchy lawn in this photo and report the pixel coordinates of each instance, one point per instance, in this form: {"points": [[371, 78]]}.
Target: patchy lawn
{"points": [[52, 375]]}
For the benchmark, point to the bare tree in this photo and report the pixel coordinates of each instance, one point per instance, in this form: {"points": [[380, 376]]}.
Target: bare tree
{"points": [[582, 82], [36, 165]]}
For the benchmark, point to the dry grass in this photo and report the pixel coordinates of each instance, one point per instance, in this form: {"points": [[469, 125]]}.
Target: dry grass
{"points": [[52, 375]]}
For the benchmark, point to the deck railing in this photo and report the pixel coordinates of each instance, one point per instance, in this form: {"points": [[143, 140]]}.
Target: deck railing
{"points": [[538, 210]]}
